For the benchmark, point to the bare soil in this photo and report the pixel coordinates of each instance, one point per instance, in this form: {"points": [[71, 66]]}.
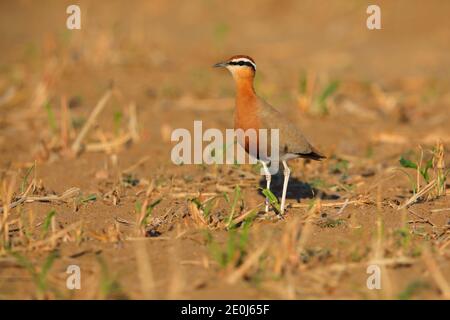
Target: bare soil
{"points": [[391, 99]]}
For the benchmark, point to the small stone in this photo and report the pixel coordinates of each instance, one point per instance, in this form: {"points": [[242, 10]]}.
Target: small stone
{"points": [[152, 233]]}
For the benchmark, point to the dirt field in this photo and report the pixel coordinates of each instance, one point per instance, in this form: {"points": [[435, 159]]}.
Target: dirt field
{"points": [[139, 226]]}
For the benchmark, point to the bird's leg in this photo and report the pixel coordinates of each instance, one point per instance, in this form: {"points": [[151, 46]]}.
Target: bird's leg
{"points": [[286, 172], [268, 180]]}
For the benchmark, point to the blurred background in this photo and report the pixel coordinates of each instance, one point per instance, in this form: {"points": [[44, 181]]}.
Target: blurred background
{"points": [[364, 97], [157, 51]]}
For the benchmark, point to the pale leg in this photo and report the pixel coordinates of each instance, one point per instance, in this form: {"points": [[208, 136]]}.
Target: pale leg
{"points": [[268, 179], [286, 172]]}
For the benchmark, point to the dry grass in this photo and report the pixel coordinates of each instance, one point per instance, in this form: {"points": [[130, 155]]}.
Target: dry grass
{"points": [[435, 184], [88, 180]]}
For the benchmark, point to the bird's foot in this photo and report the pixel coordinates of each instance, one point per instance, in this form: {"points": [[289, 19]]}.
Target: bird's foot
{"points": [[282, 212], [281, 215]]}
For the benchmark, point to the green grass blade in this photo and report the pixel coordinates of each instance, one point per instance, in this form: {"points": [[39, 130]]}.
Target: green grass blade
{"points": [[405, 163], [149, 211], [236, 196], [272, 199], [51, 117], [47, 222]]}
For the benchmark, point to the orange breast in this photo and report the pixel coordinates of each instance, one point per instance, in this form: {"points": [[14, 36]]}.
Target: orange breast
{"points": [[245, 118]]}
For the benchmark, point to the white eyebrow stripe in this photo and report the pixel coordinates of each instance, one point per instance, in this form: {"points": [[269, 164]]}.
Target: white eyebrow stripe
{"points": [[244, 60]]}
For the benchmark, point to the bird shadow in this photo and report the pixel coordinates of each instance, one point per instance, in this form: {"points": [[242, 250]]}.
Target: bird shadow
{"points": [[296, 189]]}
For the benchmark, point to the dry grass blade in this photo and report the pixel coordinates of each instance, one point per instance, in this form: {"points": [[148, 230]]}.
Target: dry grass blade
{"points": [[136, 165], [124, 221], [307, 229], [247, 265], [68, 194], [144, 270], [144, 206], [57, 235], [439, 169], [178, 195], [6, 195], [76, 146], [443, 246], [421, 218], [379, 247], [177, 282], [293, 241], [8, 95], [66, 124], [388, 262], [418, 195], [196, 214], [343, 207], [440, 210], [436, 273], [133, 123], [109, 145], [331, 204], [22, 198], [245, 215]]}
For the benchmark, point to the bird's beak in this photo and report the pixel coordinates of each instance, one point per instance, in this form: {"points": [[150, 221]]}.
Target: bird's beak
{"points": [[220, 65]]}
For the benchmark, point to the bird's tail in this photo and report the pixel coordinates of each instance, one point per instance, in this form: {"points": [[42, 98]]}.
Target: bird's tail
{"points": [[314, 155]]}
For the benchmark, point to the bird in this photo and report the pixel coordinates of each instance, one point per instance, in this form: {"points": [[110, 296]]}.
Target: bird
{"points": [[252, 112]]}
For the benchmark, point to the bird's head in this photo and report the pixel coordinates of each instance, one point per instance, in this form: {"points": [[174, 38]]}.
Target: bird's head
{"points": [[240, 67]]}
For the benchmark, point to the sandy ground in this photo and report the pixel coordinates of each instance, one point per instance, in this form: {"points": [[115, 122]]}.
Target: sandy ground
{"points": [[392, 97]]}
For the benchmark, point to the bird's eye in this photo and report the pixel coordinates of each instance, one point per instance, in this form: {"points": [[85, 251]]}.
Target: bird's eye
{"points": [[242, 63]]}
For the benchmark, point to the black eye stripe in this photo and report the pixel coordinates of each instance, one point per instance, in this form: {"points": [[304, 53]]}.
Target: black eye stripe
{"points": [[242, 63]]}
